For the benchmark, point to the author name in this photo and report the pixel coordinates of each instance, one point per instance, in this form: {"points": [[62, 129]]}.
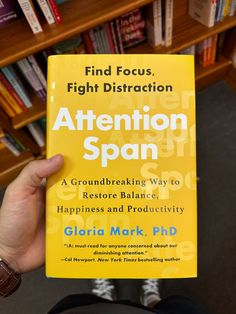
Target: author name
{"points": [[118, 231]]}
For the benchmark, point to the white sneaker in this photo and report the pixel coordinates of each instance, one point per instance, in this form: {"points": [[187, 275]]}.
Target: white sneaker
{"points": [[150, 294], [104, 288]]}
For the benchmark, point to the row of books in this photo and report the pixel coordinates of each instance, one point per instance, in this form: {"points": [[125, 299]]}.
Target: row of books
{"points": [[211, 11], [15, 80], [125, 31], [208, 51], [34, 12], [13, 144], [36, 130]]}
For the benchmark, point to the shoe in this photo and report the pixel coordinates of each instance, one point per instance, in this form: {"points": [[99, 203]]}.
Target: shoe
{"points": [[104, 288], [150, 294]]}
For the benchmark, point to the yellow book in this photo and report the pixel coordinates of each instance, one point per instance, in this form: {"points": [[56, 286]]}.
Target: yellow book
{"points": [[9, 98], [6, 107], [124, 203]]}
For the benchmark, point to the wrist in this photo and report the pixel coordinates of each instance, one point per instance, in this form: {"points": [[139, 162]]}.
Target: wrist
{"points": [[10, 260]]}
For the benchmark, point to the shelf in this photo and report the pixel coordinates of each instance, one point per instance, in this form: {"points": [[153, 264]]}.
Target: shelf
{"points": [[17, 40], [37, 111], [11, 165], [207, 75], [186, 32], [204, 72]]}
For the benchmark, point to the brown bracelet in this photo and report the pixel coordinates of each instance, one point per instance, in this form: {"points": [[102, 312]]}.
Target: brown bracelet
{"points": [[9, 279]]}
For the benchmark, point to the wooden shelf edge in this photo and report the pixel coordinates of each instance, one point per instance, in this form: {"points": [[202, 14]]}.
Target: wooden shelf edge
{"points": [[202, 72], [213, 73], [37, 111]]}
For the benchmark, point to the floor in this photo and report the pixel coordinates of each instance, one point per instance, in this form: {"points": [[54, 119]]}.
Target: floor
{"points": [[215, 286]]}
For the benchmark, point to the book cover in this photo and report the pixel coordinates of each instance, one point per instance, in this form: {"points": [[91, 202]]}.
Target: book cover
{"points": [[9, 12], [204, 11], [124, 203], [132, 28]]}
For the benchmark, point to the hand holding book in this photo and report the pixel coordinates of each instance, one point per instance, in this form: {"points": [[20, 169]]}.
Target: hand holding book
{"points": [[22, 227]]}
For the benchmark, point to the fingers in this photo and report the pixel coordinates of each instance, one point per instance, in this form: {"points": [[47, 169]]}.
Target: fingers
{"points": [[33, 174]]}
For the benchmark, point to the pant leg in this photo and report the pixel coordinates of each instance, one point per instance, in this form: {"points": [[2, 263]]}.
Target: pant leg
{"points": [[74, 300], [178, 305]]}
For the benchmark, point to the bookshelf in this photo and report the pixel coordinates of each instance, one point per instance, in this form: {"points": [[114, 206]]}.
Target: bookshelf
{"points": [[17, 41], [78, 16], [37, 111]]}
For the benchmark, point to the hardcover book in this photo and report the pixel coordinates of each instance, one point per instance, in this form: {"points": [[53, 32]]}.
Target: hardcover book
{"points": [[124, 203], [9, 12]]}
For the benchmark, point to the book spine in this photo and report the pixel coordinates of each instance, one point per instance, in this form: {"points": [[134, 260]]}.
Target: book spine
{"points": [[218, 15], [205, 50], [209, 51], [14, 105], [31, 77], [214, 43], [222, 10], [9, 145], [5, 106], [99, 40], [105, 40], [163, 26], [117, 21], [55, 11], [114, 37], [37, 133], [219, 46], [192, 50], [46, 11], [93, 39], [158, 22], [232, 7], [29, 74], [212, 13], [16, 84], [30, 15], [88, 42], [15, 142], [169, 22], [12, 92], [109, 37], [154, 23], [38, 70], [226, 8]]}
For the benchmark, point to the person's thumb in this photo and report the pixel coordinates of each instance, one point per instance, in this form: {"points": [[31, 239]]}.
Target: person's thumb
{"points": [[35, 171]]}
